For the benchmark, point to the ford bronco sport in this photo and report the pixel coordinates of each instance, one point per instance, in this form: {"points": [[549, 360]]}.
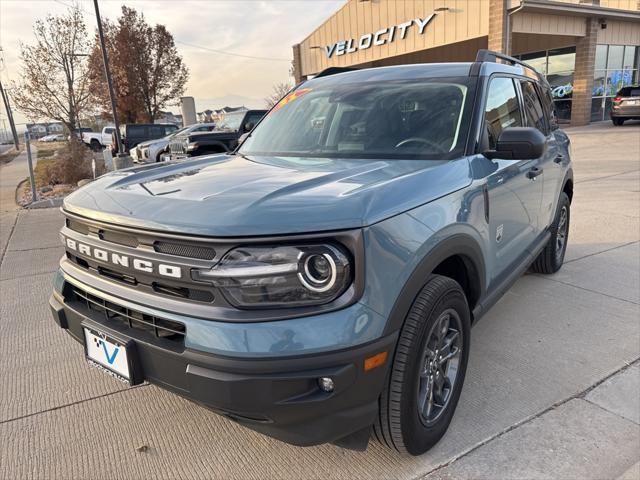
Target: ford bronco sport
{"points": [[319, 283]]}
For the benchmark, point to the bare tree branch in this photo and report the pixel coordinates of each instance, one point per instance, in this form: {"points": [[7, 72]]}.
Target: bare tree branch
{"points": [[53, 82]]}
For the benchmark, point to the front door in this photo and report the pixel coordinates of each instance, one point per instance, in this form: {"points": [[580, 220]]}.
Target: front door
{"points": [[514, 188]]}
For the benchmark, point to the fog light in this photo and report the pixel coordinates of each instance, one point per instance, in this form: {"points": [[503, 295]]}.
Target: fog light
{"points": [[325, 384]]}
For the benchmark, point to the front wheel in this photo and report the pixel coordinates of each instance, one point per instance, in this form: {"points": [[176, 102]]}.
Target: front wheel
{"points": [[551, 258], [428, 369]]}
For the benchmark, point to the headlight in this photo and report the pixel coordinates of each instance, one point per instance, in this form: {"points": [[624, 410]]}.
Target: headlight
{"points": [[281, 276], [191, 146]]}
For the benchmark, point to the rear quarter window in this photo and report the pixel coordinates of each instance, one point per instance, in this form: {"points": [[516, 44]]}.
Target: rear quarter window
{"points": [[136, 130]]}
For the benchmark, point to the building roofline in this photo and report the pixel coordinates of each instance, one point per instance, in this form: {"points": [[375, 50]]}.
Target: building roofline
{"points": [[582, 10], [325, 21]]}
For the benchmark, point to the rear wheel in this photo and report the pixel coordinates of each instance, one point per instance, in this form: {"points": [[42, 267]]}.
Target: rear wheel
{"points": [[551, 258], [428, 370], [617, 121], [95, 145]]}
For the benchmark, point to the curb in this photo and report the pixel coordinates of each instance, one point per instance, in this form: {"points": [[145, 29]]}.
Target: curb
{"points": [[633, 473], [47, 203], [15, 194]]}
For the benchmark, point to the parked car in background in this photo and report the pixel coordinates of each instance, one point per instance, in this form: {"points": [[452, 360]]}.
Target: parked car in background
{"points": [[152, 150], [626, 105], [56, 137], [132, 134], [79, 131], [98, 140], [224, 138], [319, 283]]}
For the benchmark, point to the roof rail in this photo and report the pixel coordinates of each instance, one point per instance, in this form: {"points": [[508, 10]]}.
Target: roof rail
{"points": [[485, 55], [334, 70]]}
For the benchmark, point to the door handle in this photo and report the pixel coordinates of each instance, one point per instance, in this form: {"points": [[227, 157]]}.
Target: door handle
{"points": [[534, 172], [559, 158]]}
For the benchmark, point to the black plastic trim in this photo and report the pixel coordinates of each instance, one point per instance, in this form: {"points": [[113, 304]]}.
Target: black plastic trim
{"points": [[459, 244]]}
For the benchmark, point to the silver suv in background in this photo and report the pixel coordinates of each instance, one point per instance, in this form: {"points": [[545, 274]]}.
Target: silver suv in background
{"points": [[626, 105], [152, 150]]}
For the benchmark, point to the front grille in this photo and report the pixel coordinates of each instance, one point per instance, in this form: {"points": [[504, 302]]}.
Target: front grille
{"points": [[78, 227], [177, 147], [119, 238], [191, 251], [186, 293], [160, 328]]}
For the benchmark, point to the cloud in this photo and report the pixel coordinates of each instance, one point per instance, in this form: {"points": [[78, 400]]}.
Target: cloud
{"points": [[255, 28]]}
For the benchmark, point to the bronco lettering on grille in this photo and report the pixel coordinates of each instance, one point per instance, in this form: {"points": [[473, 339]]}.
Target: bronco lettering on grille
{"points": [[126, 261]]}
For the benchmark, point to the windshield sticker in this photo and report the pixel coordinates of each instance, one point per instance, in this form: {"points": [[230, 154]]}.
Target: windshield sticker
{"points": [[290, 98]]}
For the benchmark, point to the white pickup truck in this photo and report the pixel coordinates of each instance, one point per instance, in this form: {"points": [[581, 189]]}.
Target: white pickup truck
{"points": [[98, 140]]}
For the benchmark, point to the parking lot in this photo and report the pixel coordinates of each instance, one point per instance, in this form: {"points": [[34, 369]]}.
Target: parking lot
{"points": [[551, 390]]}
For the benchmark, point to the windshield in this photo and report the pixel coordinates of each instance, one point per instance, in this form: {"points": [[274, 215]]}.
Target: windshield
{"points": [[418, 118], [231, 121]]}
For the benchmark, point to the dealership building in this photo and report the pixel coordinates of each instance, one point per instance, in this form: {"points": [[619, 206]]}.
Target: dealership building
{"points": [[588, 49]]}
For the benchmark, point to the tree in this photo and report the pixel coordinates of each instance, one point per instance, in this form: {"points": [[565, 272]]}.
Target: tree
{"points": [[148, 73], [279, 90], [54, 81]]}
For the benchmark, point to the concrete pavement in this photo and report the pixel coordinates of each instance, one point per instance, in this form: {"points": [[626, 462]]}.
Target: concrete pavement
{"points": [[551, 390]]}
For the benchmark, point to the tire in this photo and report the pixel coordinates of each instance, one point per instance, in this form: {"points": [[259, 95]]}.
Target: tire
{"points": [[552, 256], [399, 424], [95, 145], [617, 121]]}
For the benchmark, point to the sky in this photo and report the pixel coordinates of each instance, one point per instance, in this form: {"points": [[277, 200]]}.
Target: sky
{"points": [[258, 28]]}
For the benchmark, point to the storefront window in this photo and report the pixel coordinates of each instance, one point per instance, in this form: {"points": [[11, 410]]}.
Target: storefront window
{"points": [[558, 66], [601, 57], [621, 70], [614, 58], [616, 66]]}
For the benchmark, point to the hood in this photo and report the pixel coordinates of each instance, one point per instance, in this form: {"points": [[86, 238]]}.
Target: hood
{"points": [[233, 195], [146, 143]]}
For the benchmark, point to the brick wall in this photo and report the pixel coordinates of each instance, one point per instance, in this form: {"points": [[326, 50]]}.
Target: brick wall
{"points": [[497, 25], [583, 75]]}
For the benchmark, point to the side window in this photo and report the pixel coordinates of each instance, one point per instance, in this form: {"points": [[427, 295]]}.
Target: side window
{"points": [[502, 109], [254, 118], [549, 105], [533, 107]]}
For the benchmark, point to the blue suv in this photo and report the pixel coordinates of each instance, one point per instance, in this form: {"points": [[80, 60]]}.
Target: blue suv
{"points": [[318, 284]]}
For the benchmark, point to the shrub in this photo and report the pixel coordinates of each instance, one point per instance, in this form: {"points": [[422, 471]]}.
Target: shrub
{"points": [[72, 163]]}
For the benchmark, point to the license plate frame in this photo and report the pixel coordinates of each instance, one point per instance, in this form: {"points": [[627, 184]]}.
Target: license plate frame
{"points": [[132, 375]]}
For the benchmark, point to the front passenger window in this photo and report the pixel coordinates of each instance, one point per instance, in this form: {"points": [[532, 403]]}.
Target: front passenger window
{"points": [[502, 110]]}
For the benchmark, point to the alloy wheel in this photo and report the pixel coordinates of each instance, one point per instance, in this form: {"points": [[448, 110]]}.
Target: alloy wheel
{"points": [[561, 234], [439, 366]]}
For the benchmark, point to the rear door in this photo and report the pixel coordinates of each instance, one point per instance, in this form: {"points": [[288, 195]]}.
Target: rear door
{"points": [[554, 157], [514, 187]]}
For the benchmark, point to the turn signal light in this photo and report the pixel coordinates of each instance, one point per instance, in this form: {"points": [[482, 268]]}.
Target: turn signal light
{"points": [[377, 360]]}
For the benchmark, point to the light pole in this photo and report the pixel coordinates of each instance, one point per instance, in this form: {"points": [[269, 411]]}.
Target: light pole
{"points": [[107, 73], [5, 99]]}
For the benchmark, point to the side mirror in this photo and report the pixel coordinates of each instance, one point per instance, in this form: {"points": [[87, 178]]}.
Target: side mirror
{"points": [[518, 143], [248, 126]]}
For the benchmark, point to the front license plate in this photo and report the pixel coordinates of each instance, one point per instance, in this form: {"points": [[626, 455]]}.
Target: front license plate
{"points": [[165, 157], [107, 353]]}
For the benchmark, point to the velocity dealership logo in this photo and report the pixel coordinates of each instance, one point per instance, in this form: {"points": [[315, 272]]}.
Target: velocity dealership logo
{"points": [[386, 35]]}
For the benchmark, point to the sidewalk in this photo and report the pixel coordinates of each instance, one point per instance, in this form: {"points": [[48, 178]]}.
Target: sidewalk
{"points": [[11, 174], [551, 389]]}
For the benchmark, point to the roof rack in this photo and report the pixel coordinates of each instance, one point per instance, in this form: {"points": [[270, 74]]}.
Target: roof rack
{"points": [[334, 70], [485, 55]]}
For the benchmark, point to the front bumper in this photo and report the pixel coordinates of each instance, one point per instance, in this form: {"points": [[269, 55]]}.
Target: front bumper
{"points": [[277, 396]]}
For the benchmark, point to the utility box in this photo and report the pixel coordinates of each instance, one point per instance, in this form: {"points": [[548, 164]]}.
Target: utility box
{"points": [[188, 108]]}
